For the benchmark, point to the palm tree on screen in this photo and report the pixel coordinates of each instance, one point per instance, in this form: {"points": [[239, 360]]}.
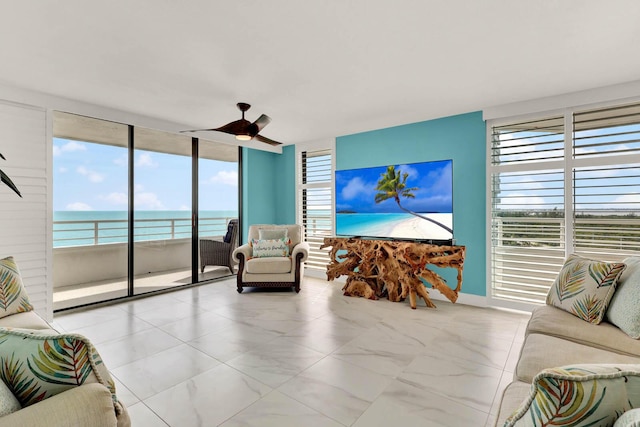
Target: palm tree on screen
{"points": [[393, 185]]}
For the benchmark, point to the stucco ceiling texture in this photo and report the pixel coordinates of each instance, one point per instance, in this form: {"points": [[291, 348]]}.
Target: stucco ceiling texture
{"points": [[319, 68]]}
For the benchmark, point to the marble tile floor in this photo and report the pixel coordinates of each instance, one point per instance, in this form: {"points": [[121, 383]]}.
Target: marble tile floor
{"points": [[208, 356]]}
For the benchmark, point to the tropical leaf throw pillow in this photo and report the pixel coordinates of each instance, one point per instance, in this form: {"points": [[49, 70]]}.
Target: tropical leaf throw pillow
{"points": [[13, 296], [579, 395], [584, 287], [36, 365]]}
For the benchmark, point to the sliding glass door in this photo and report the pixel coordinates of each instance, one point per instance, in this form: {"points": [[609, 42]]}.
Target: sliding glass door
{"points": [[162, 200], [90, 199], [124, 204]]}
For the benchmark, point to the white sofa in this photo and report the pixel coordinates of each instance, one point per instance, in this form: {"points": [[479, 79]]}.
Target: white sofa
{"points": [[272, 271], [556, 338], [89, 404]]}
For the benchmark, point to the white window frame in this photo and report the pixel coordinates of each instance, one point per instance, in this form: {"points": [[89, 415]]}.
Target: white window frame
{"points": [[567, 164], [325, 144]]}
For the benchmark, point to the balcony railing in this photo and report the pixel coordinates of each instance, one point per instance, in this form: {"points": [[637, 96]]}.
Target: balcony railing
{"points": [[97, 232]]}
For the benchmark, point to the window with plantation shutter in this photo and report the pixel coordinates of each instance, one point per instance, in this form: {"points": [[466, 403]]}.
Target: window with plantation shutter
{"points": [[527, 208], [315, 201], [560, 185]]}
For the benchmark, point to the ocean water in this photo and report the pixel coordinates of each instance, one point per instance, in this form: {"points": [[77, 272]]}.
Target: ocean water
{"points": [[78, 228]]}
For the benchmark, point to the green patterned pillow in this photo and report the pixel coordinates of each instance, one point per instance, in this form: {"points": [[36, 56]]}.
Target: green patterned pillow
{"points": [[624, 310], [579, 395], [37, 365], [629, 419], [13, 296], [584, 287], [8, 402]]}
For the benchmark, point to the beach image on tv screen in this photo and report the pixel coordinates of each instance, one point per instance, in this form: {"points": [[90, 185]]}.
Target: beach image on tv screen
{"points": [[404, 201]]}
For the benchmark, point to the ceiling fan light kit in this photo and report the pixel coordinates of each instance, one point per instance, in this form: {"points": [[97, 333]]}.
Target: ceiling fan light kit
{"points": [[243, 129]]}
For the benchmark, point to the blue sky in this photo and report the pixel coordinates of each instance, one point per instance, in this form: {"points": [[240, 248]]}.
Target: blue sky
{"points": [[93, 177], [356, 188]]}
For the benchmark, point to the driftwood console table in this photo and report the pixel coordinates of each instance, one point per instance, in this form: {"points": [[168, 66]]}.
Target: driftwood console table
{"points": [[375, 268]]}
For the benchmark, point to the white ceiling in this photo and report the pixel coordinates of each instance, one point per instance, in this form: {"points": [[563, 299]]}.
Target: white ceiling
{"points": [[319, 68]]}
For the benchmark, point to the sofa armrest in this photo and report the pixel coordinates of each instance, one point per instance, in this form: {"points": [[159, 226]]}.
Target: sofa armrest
{"points": [[85, 405], [303, 248], [245, 250]]}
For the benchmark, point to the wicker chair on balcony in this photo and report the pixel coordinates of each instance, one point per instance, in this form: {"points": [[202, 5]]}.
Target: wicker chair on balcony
{"points": [[214, 252]]}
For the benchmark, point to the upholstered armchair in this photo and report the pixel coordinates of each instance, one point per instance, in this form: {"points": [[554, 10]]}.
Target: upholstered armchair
{"points": [[272, 257], [214, 252]]}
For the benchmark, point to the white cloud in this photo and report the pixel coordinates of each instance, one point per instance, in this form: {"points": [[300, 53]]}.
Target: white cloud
{"points": [[63, 170], [354, 188], [148, 201], [138, 187], [78, 206], [145, 160], [225, 177], [184, 208], [116, 198], [121, 161], [68, 148], [92, 175]]}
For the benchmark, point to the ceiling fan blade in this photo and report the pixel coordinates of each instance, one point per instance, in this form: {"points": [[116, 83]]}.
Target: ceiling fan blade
{"points": [[267, 140], [197, 130], [259, 124], [234, 128]]}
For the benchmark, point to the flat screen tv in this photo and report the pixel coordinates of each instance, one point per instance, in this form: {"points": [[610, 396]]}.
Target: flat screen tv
{"points": [[404, 202]]}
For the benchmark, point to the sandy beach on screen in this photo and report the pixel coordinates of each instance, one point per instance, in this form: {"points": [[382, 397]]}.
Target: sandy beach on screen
{"points": [[418, 228]]}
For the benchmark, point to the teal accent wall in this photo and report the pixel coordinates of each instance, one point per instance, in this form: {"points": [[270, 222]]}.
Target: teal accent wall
{"points": [[268, 193], [461, 138], [285, 186]]}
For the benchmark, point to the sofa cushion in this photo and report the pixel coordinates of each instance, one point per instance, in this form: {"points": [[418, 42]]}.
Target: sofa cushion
{"points": [[294, 231], [273, 265], [13, 296], [555, 322], [541, 351], [579, 395], [37, 365], [624, 310], [8, 402], [26, 320], [512, 398], [269, 248], [86, 405], [584, 287]]}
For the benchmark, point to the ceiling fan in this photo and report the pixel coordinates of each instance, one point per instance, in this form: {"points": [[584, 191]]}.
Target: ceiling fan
{"points": [[243, 129]]}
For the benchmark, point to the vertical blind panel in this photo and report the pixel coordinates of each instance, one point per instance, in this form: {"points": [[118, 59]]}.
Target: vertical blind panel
{"points": [[528, 142], [606, 211], [607, 131]]}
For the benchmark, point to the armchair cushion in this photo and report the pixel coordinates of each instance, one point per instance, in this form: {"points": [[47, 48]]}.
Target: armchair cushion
{"points": [[273, 234], [269, 265]]}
